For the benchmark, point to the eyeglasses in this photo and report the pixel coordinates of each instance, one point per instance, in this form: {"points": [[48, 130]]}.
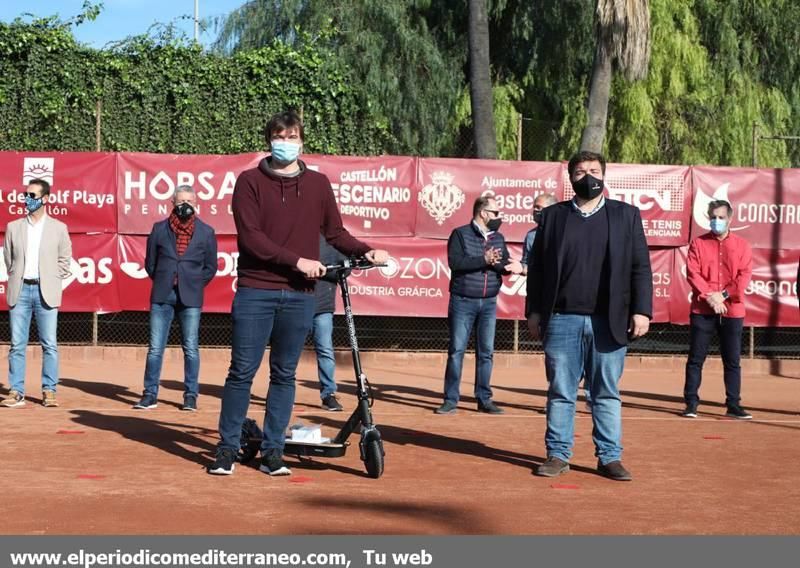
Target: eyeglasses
{"points": [[31, 195], [494, 212]]}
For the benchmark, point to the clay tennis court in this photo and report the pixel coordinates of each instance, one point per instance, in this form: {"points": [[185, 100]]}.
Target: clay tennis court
{"points": [[95, 466]]}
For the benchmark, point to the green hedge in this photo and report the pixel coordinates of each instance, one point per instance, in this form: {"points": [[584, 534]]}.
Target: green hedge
{"points": [[160, 95]]}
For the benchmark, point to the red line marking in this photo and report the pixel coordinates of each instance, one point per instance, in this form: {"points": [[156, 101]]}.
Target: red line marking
{"points": [[91, 476], [564, 486], [71, 432], [713, 438], [300, 479]]}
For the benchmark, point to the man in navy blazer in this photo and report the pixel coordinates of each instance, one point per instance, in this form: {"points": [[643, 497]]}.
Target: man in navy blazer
{"points": [[181, 260], [590, 290]]}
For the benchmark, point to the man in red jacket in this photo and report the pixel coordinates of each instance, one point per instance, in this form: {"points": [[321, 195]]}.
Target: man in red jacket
{"points": [[718, 268], [280, 208]]}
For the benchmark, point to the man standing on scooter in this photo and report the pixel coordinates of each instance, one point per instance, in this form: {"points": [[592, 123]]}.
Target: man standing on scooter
{"points": [[279, 209]]}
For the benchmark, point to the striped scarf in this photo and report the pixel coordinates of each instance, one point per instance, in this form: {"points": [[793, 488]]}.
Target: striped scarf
{"points": [[183, 231]]}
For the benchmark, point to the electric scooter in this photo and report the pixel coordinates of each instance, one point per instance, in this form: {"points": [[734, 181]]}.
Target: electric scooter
{"points": [[371, 444]]}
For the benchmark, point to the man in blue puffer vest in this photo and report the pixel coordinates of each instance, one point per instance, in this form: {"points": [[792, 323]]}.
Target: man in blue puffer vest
{"points": [[478, 258]]}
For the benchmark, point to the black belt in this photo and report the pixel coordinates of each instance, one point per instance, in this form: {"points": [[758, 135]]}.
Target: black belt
{"points": [[31, 281]]}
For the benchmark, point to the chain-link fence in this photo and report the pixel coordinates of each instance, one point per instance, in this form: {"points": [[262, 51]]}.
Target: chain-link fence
{"points": [[395, 334]]}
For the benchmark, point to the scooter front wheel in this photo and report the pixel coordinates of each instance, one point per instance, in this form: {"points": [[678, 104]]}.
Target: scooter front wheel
{"points": [[373, 458]]}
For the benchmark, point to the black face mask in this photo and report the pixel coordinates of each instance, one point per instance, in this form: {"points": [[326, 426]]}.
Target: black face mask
{"points": [[494, 224], [537, 217], [588, 187], [184, 211]]}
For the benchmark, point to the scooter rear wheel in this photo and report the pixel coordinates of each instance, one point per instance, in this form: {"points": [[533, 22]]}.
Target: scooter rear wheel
{"points": [[373, 458]]}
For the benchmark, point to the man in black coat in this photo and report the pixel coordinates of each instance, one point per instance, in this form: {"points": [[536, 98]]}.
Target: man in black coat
{"points": [[590, 291], [181, 260]]}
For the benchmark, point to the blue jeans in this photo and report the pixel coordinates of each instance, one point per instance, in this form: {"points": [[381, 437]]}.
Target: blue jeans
{"points": [[574, 345], [702, 329], [30, 303], [161, 316], [322, 332], [462, 314], [281, 318]]}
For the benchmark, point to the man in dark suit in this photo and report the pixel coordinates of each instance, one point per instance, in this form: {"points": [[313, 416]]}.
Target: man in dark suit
{"points": [[590, 290], [181, 260]]}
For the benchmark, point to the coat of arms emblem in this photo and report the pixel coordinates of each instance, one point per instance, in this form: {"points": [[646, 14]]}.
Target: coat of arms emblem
{"points": [[441, 198]]}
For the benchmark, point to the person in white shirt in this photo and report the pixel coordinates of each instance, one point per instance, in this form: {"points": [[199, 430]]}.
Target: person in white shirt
{"points": [[37, 252]]}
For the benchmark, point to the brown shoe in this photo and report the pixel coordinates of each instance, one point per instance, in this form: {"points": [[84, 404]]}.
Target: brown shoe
{"points": [[13, 399], [49, 399], [552, 467], [614, 470]]}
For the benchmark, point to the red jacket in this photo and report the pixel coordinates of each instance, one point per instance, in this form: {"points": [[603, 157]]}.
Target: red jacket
{"points": [[715, 265]]}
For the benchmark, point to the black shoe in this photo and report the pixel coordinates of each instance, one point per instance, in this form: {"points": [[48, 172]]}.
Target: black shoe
{"points": [[691, 410], [223, 464], [614, 470], [446, 408], [189, 403], [490, 407], [148, 401], [739, 413], [552, 467], [330, 403], [272, 464]]}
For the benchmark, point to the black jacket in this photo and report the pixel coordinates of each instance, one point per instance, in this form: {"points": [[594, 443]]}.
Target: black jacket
{"points": [[630, 277], [194, 269], [470, 275]]}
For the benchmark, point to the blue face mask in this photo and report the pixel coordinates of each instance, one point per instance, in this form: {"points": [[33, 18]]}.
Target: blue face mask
{"points": [[33, 204], [284, 151], [719, 226]]}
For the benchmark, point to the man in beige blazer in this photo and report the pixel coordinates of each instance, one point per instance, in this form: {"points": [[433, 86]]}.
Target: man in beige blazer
{"points": [[37, 252]]}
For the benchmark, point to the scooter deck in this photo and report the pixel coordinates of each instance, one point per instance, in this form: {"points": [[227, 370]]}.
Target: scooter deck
{"points": [[329, 450]]}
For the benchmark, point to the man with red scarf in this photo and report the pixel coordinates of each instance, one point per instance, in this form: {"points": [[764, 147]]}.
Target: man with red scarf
{"points": [[181, 260]]}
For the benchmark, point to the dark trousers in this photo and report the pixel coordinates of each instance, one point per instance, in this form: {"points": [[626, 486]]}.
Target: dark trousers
{"points": [[730, 339]]}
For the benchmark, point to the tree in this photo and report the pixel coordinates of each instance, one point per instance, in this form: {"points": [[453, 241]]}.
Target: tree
{"points": [[480, 80], [387, 48], [623, 38]]}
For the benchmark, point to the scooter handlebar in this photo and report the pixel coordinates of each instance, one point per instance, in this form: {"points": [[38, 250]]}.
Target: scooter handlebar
{"points": [[353, 263]]}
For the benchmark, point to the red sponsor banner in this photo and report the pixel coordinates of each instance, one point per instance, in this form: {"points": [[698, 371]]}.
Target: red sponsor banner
{"points": [[663, 195], [416, 283], [92, 286], [772, 292], [662, 262], [133, 278], [680, 295], [770, 298], [766, 203], [146, 182], [137, 285], [376, 196], [449, 187], [83, 187]]}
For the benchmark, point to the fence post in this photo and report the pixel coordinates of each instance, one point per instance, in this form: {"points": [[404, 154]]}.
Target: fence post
{"points": [[516, 336], [519, 137], [752, 342], [94, 329]]}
